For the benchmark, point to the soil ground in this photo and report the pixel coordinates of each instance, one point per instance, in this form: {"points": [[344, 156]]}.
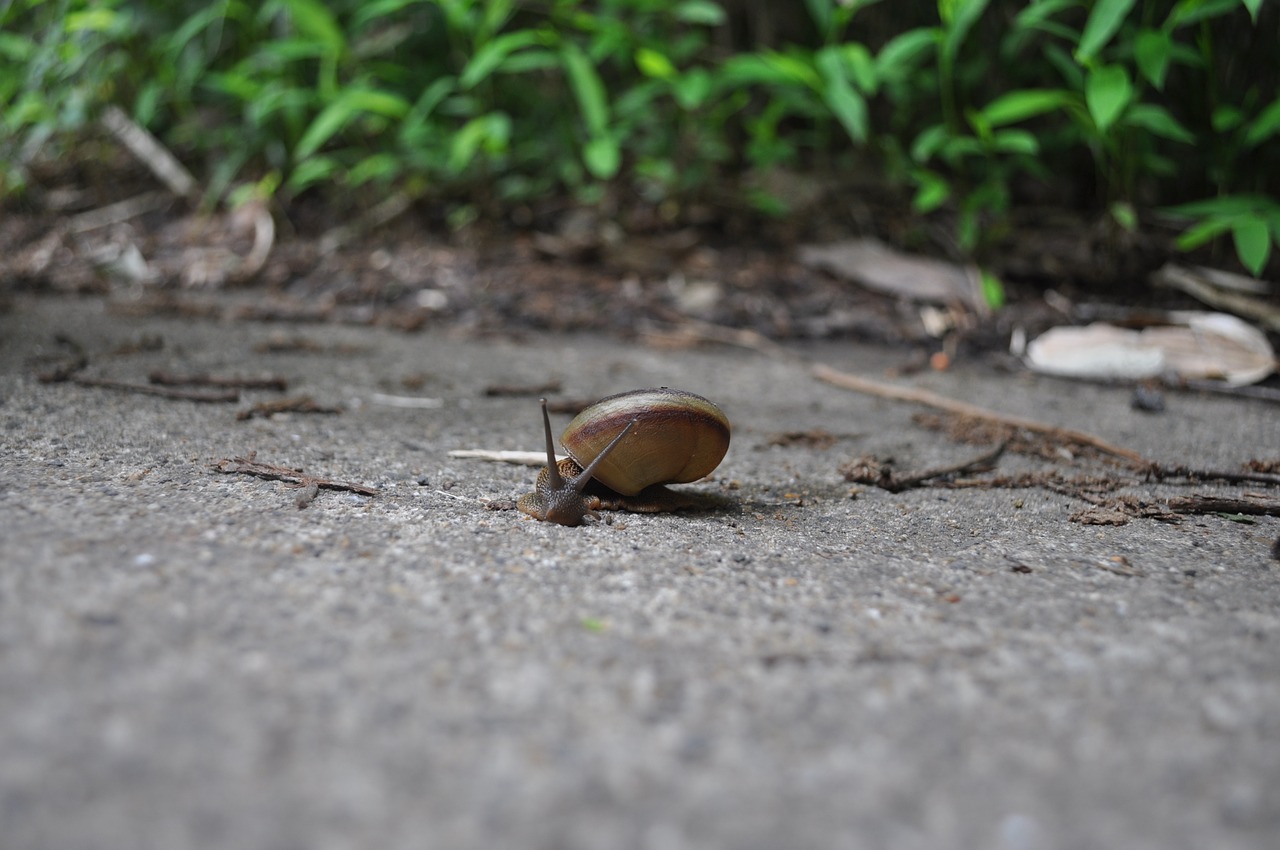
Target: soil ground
{"points": [[190, 659]]}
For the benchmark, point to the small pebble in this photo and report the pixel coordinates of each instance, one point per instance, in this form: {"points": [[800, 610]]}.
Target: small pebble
{"points": [[1147, 398]]}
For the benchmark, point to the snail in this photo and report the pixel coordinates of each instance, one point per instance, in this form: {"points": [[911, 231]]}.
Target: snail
{"points": [[631, 444]]}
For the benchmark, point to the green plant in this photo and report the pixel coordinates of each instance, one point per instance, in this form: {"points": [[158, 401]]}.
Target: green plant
{"points": [[58, 61], [1117, 105], [1252, 220], [1109, 98]]}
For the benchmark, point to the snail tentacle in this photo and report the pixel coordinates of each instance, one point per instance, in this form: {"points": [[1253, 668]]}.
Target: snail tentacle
{"points": [[558, 495], [553, 473]]}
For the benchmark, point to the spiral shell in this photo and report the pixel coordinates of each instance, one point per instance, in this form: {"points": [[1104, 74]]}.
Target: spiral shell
{"points": [[678, 437]]}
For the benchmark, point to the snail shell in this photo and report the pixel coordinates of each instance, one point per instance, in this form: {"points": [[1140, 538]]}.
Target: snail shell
{"points": [[625, 447], [678, 437]]}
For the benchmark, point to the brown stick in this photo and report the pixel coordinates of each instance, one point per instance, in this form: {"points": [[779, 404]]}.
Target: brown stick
{"points": [[870, 471], [247, 465], [844, 380], [535, 390], [983, 462], [202, 379], [150, 152], [1225, 505], [1163, 472], [163, 392]]}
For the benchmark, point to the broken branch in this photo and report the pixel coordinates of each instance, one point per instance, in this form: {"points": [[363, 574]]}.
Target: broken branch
{"points": [[247, 465], [201, 379], [58, 376], [871, 471], [847, 381]]}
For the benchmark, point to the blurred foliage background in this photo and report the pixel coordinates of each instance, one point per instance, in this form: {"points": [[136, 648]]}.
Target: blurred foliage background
{"points": [[1132, 110]]}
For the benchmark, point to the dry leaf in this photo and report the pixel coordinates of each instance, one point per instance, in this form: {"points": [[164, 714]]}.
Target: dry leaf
{"points": [[877, 266], [1200, 345]]}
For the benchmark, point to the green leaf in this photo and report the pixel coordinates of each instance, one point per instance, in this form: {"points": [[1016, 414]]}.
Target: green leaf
{"points": [[903, 53], [692, 88], [276, 54], [795, 69], [377, 11], [1253, 6], [1156, 119], [602, 157], [703, 12], [929, 142], [1226, 206], [769, 68], [1125, 215], [492, 55], [314, 20], [233, 84], [1016, 141], [992, 290], [1152, 50], [338, 114], [1266, 125], [490, 132], [146, 104], [529, 60], [748, 68], [1104, 21], [494, 15], [1023, 104], [860, 66], [1068, 69], [849, 108], [212, 15], [416, 118], [654, 64], [381, 167], [1205, 231], [933, 191], [1191, 11], [846, 104], [956, 148], [587, 88], [1226, 118], [97, 19], [1253, 243], [1107, 92], [16, 48], [312, 171], [820, 14], [1035, 15], [963, 15]]}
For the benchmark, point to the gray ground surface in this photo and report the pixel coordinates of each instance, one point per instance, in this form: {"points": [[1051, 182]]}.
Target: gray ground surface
{"points": [[189, 660]]}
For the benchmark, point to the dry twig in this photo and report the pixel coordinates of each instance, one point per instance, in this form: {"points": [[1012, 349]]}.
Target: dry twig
{"points": [[847, 381], [1163, 473], [249, 465], [210, 397], [150, 152], [870, 471], [535, 390], [201, 379], [1253, 504]]}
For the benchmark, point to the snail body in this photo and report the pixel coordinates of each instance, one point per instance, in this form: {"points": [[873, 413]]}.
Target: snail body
{"points": [[623, 450]]}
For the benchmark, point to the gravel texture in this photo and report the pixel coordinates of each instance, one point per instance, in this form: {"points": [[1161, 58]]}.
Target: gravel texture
{"points": [[188, 659]]}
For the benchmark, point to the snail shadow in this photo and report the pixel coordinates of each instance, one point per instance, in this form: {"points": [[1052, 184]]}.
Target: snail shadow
{"points": [[661, 499]]}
